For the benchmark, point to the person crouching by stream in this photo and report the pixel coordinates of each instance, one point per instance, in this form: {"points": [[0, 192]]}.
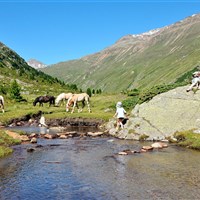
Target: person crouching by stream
{"points": [[120, 114], [42, 122]]}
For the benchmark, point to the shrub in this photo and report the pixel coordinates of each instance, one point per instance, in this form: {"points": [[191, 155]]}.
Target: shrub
{"points": [[149, 93], [130, 103], [143, 137]]}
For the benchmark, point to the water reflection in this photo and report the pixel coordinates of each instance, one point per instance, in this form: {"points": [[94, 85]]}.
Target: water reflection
{"points": [[89, 168], [43, 130]]}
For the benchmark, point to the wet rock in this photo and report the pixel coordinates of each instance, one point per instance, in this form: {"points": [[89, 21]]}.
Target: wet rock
{"points": [[63, 137], [143, 150], [147, 148], [72, 134], [24, 138], [111, 140], [94, 134], [39, 146], [82, 135], [33, 140], [33, 135], [122, 153], [159, 145], [30, 149], [50, 136], [128, 152]]}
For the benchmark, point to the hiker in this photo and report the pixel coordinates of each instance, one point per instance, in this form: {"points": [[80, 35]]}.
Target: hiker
{"points": [[120, 114]]}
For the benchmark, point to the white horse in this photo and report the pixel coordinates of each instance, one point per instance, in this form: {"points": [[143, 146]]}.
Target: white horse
{"points": [[2, 103], [61, 98], [195, 81], [75, 98]]}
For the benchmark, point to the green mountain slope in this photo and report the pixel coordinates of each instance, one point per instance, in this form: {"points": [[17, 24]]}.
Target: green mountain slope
{"points": [[137, 61], [13, 67]]}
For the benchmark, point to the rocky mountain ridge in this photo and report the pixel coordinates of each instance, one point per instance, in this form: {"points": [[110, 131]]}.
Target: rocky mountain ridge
{"points": [[36, 64], [137, 61]]}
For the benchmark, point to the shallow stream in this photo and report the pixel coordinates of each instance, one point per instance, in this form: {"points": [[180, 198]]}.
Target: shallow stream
{"points": [[90, 169]]}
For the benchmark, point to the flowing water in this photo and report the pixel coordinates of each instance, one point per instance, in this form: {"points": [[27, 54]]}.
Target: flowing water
{"points": [[90, 169]]}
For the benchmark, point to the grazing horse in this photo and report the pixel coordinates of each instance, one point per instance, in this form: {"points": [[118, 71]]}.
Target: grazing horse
{"points": [[2, 103], [195, 81], [75, 98], [44, 99], [61, 98]]}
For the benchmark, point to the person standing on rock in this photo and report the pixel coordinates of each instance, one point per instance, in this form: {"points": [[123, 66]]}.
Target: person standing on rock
{"points": [[120, 114]]}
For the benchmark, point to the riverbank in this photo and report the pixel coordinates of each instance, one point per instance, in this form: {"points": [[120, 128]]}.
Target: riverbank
{"points": [[6, 142]]}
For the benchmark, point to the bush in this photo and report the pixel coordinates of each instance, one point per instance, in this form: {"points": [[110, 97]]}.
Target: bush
{"points": [[130, 103], [148, 94]]}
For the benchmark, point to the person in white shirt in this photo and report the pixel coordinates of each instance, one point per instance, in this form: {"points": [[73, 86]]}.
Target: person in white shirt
{"points": [[42, 122], [120, 114]]}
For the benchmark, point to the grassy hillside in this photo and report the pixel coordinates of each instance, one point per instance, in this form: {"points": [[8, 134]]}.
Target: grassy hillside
{"points": [[31, 81], [137, 61]]}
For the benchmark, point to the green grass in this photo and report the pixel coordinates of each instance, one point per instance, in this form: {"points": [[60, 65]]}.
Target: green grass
{"points": [[102, 106], [4, 151], [188, 139], [5, 142]]}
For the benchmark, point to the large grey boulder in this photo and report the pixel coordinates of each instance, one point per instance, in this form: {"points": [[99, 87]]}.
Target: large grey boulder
{"points": [[161, 117]]}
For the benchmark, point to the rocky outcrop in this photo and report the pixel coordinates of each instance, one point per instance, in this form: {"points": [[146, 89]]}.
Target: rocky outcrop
{"points": [[161, 117]]}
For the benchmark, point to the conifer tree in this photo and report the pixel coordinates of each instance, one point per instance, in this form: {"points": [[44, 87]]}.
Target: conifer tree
{"points": [[89, 92], [15, 91]]}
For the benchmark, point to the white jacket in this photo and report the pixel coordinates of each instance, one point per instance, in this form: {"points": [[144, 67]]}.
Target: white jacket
{"points": [[120, 112]]}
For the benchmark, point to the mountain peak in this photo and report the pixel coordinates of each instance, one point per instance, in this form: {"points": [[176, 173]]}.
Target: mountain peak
{"points": [[36, 64]]}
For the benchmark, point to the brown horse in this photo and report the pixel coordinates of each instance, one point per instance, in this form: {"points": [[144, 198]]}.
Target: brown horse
{"points": [[44, 99], [75, 98], [2, 103]]}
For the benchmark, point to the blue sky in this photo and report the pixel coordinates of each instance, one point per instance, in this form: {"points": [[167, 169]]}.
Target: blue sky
{"points": [[55, 31]]}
